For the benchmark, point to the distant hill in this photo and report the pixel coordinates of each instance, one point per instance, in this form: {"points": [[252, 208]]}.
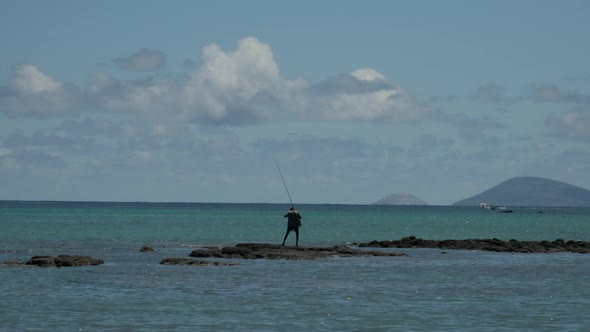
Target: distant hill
{"points": [[532, 191], [400, 199]]}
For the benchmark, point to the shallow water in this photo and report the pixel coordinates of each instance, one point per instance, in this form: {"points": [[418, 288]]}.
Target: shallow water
{"points": [[429, 290]]}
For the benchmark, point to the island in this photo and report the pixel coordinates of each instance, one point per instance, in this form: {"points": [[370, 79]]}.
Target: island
{"points": [[532, 192], [400, 199]]}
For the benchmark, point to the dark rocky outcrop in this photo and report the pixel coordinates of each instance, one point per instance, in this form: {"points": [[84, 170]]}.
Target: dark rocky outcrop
{"points": [[188, 261], [63, 261], [496, 245], [147, 249], [275, 251]]}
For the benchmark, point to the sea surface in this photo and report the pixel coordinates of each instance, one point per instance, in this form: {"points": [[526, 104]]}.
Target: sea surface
{"points": [[427, 290]]}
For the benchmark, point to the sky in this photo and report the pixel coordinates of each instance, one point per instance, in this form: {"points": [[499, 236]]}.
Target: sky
{"points": [[194, 101]]}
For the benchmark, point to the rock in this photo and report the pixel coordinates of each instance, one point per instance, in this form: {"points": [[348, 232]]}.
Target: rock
{"points": [[236, 252], [494, 244], [188, 261], [66, 260], [147, 249], [204, 253], [63, 261], [275, 251], [42, 261]]}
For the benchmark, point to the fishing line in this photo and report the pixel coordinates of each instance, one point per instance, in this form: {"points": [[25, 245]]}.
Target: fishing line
{"points": [[282, 178]]}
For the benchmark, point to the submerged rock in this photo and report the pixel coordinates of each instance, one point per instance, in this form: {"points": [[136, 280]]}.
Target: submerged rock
{"points": [[63, 261], [12, 263], [494, 244]]}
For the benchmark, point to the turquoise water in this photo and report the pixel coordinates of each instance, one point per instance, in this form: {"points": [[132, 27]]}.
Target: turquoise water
{"points": [[425, 291]]}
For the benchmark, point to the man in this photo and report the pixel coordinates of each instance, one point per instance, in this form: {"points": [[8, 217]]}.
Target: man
{"points": [[293, 224]]}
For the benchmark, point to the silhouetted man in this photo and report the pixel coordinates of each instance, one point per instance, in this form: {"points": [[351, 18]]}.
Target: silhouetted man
{"points": [[293, 224]]}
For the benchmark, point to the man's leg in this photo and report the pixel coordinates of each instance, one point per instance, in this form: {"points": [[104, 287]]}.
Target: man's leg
{"points": [[296, 236], [286, 234]]}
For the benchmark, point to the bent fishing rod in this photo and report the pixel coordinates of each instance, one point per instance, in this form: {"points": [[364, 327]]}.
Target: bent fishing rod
{"points": [[282, 178]]}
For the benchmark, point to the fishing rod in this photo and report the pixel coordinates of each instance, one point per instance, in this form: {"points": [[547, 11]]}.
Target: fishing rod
{"points": [[282, 178]]}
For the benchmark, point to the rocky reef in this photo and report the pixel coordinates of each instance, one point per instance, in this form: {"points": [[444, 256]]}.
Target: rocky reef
{"points": [[275, 251], [59, 261], [63, 261], [496, 245], [188, 261]]}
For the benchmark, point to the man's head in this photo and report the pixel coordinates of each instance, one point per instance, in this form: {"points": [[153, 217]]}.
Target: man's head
{"points": [[292, 208]]}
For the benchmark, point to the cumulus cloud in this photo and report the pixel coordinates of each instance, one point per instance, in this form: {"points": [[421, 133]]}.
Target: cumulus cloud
{"points": [[142, 60], [364, 94], [244, 86], [150, 96], [238, 87], [28, 79], [357, 82], [32, 92]]}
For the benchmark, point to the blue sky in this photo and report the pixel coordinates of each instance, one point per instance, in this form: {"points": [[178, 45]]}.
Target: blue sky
{"points": [[193, 100]]}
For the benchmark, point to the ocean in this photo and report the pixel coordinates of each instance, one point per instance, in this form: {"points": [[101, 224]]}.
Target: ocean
{"points": [[427, 290]]}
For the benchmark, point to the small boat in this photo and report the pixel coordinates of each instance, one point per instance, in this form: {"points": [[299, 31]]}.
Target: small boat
{"points": [[489, 207], [496, 206]]}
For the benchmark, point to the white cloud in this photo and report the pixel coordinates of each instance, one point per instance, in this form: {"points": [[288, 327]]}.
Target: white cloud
{"points": [[363, 95], [226, 85], [238, 87], [32, 92], [148, 96], [244, 86], [368, 74], [28, 79], [178, 132]]}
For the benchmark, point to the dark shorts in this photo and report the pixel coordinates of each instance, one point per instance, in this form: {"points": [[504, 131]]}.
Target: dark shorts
{"points": [[292, 228]]}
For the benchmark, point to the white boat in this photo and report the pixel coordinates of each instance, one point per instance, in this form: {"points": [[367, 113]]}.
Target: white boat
{"points": [[494, 207]]}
